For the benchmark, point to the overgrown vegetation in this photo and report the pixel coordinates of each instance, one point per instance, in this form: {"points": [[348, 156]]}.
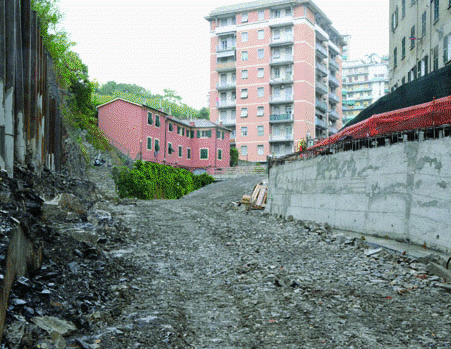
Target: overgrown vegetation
{"points": [[147, 180], [234, 157]]}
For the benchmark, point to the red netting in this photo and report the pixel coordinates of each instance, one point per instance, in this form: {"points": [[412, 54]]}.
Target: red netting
{"points": [[435, 113]]}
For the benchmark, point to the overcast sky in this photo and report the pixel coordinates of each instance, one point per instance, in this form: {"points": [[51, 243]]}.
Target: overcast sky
{"points": [[165, 44]]}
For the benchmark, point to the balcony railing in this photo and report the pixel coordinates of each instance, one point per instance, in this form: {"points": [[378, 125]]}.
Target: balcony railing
{"points": [[334, 64], [225, 29], [321, 105], [281, 99], [334, 115], [221, 48], [226, 85], [333, 130], [321, 68], [320, 123], [226, 104], [321, 87], [280, 117], [282, 59], [334, 80], [281, 138], [281, 40], [226, 66], [282, 80], [321, 49], [229, 122], [334, 98], [277, 22]]}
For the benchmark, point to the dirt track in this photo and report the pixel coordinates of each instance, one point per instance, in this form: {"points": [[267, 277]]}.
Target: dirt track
{"points": [[212, 275]]}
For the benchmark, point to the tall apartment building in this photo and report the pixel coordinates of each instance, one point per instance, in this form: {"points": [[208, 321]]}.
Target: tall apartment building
{"points": [[364, 82], [275, 75], [420, 38]]}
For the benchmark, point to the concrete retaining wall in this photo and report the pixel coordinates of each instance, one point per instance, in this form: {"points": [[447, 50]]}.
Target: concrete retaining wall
{"points": [[402, 191]]}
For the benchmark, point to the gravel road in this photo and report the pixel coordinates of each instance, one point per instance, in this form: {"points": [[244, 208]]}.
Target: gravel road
{"points": [[213, 275]]}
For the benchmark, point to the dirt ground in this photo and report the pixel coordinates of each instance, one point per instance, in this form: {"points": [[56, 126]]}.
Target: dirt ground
{"points": [[202, 272]]}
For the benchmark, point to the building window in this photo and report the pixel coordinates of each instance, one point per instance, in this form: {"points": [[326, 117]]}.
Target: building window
{"points": [[244, 36], [275, 14], [243, 93], [260, 130], [204, 154], [171, 127], [436, 10], [395, 57], [244, 17], [170, 148], [413, 38], [243, 150], [394, 19], [436, 57], [203, 133], [423, 24], [447, 49], [412, 2], [149, 118], [260, 111], [244, 112], [261, 53], [403, 8], [157, 120], [261, 34], [260, 72], [157, 144], [261, 15], [244, 74], [180, 151], [219, 154], [244, 131], [260, 91], [244, 55], [149, 143], [188, 153], [403, 48], [260, 149], [191, 134]]}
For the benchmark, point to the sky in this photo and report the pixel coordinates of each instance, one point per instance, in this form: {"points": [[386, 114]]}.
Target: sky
{"points": [[166, 44]]}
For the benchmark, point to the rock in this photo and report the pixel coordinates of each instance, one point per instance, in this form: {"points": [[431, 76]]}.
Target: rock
{"points": [[53, 324], [372, 252]]}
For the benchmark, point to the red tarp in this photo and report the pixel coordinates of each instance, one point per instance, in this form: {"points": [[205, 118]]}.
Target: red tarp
{"points": [[435, 113]]}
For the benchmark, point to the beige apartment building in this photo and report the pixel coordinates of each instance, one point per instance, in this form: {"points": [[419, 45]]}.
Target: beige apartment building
{"points": [[420, 38], [275, 75]]}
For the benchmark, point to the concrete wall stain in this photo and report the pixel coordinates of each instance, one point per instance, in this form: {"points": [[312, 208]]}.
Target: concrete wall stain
{"points": [[433, 203], [431, 161]]}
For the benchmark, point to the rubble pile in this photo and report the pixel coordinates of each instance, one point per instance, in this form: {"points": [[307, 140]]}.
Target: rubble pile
{"points": [[78, 286]]}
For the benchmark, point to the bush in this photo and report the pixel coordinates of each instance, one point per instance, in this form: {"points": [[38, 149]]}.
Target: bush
{"points": [[149, 180]]}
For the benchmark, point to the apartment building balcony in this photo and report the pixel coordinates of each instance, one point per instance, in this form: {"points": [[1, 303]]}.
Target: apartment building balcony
{"points": [[229, 122], [223, 86], [284, 59], [227, 66], [321, 68], [226, 104], [321, 105], [321, 33], [333, 63], [280, 118], [321, 87], [281, 80], [281, 138], [333, 115], [221, 30], [321, 50], [281, 99], [333, 130], [333, 47], [282, 40], [334, 98], [320, 123], [333, 81], [281, 22], [225, 51]]}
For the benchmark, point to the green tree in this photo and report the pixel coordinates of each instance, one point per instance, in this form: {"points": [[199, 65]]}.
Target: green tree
{"points": [[234, 157], [170, 96], [204, 113]]}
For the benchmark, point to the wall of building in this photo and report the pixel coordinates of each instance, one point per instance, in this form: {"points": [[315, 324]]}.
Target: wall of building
{"points": [[402, 191]]}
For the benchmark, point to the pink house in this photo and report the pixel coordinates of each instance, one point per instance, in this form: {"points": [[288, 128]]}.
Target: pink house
{"points": [[142, 132]]}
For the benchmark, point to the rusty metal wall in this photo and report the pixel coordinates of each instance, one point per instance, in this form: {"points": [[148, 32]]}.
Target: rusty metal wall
{"points": [[30, 118]]}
